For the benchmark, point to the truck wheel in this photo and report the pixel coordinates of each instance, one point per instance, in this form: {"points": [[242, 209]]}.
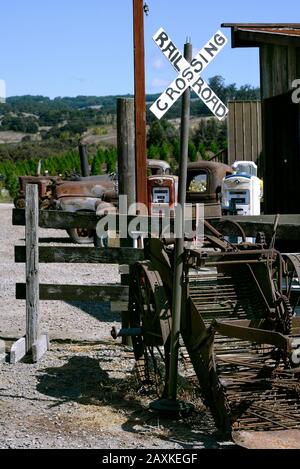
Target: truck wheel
{"points": [[19, 202], [81, 235]]}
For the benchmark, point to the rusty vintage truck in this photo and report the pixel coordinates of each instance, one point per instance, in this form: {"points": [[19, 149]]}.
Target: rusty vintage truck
{"points": [[85, 194]]}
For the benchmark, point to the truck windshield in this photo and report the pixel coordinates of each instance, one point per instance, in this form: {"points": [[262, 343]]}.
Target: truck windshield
{"points": [[198, 183]]}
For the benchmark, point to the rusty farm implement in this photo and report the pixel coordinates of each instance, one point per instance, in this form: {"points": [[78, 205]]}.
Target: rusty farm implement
{"points": [[237, 329]]}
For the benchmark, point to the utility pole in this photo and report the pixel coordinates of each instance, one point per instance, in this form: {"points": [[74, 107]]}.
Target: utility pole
{"points": [[140, 102]]}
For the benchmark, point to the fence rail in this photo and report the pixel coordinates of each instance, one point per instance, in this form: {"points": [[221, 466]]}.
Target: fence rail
{"points": [[82, 255], [77, 292], [33, 218]]}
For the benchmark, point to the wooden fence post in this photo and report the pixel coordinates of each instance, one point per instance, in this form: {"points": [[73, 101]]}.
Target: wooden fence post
{"points": [[32, 265], [127, 176], [33, 342], [126, 149]]}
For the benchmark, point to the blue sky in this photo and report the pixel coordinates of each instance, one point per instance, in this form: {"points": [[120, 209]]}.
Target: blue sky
{"points": [[75, 47]]}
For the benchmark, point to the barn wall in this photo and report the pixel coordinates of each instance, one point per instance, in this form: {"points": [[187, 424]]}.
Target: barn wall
{"points": [[280, 66], [244, 131]]}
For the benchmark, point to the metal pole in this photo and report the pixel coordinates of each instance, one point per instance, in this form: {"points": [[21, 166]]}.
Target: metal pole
{"points": [[179, 243], [140, 102]]}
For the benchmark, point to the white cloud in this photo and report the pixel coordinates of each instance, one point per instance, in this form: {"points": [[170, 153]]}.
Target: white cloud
{"points": [[158, 64], [159, 83]]}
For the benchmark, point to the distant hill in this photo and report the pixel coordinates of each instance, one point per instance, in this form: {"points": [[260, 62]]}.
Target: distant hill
{"points": [[25, 113]]}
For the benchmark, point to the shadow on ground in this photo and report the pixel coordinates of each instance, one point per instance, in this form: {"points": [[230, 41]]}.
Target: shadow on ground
{"points": [[99, 310], [82, 380]]}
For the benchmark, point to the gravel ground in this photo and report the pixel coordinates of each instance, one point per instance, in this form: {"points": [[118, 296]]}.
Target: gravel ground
{"points": [[83, 393]]}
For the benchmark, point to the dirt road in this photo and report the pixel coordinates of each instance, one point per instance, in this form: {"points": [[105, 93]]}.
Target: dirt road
{"points": [[83, 393]]}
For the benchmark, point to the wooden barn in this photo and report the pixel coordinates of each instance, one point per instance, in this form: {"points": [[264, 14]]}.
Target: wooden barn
{"points": [[279, 47]]}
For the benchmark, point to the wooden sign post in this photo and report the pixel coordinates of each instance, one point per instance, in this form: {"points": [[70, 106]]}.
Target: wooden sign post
{"points": [[140, 102]]}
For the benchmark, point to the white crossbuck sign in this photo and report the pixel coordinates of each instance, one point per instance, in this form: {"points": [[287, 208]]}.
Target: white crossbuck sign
{"points": [[189, 74]]}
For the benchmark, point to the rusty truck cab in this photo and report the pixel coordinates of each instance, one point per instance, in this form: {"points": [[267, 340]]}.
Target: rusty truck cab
{"points": [[204, 181]]}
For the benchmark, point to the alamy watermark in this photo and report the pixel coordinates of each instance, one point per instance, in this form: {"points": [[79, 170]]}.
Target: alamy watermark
{"points": [[2, 91], [161, 220], [296, 93]]}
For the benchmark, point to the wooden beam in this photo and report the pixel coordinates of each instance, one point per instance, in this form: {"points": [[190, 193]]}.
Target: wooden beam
{"points": [[83, 255], [126, 150], [98, 293], [60, 220], [255, 38], [261, 25], [140, 102]]}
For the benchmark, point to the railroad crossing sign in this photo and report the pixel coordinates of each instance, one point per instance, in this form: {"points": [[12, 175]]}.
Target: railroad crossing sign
{"points": [[189, 74]]}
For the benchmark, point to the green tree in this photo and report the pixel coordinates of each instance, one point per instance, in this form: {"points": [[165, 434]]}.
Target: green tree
{"points": [[153, 152], [97, 162], [176, 150], [214, 147], [160, 132], [192, 152], [164, 151], [202, 151], [12, 184]]}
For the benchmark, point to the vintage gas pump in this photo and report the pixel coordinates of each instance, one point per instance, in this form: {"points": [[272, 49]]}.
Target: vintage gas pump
{"points": [[162, 194], [241, 192]]}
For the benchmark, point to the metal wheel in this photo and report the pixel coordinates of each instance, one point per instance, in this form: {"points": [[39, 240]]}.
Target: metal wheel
{"points": [[81, 235], [291, 279], [149, 309], [19, 202]]}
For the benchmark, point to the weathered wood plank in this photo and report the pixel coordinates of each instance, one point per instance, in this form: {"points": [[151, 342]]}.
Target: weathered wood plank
{"points": [[239, 137], [58, 219], [32, 265], [40, 347], [266, 62], [231, 133], [259, 130], [254, 131], [292, 66], [17, 351], [115, 292], [247, 131], [126, 149], [83, 255]]}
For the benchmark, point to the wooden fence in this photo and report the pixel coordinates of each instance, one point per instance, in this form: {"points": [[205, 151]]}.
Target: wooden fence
{"points": [[32, 254]]}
